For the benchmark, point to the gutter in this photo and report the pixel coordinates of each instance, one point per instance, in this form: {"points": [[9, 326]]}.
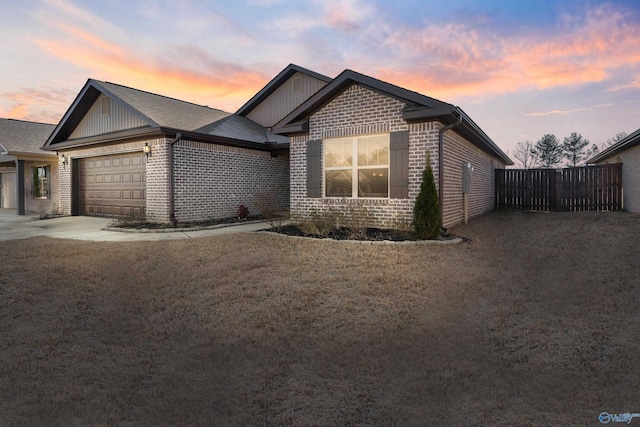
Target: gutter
{"points": [[172, 215], [441, 162]]}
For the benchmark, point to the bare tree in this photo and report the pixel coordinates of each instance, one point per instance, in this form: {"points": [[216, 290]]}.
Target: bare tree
{"points": [[619, 137], [525, 154]]}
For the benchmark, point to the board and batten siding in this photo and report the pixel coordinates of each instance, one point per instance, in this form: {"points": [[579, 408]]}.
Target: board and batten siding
{"points": [[94, 123], [284, 100]]}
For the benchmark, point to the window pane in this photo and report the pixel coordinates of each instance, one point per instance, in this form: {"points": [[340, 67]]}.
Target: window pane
{"points": [[373, 151], [338, 153], [339, 183], [373, 183]]}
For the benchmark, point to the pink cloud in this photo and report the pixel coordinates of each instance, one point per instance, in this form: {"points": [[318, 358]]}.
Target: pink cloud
{"points": [[222, 84], [455, 60]]}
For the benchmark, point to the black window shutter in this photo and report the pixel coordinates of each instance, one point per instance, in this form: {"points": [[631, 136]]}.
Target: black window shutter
{"points": [[48, 175], [399, 165], [314, 169]]}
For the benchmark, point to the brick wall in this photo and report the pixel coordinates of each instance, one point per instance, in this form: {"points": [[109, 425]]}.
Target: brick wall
{"points": [[481, 198], [359, 111], [630, 177], [211, 181], [64, 172]]}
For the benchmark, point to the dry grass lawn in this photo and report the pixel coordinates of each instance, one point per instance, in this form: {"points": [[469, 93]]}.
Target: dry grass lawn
{"points": [[533, 323]]}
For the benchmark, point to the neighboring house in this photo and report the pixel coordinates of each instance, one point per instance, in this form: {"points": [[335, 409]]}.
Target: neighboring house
{"points": [[361, 142], [627, 152], [128, 153], [28, 175]]}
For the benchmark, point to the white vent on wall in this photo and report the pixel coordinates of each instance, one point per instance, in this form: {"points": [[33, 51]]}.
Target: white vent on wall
{"points": [[297, 84], [105, 106]]}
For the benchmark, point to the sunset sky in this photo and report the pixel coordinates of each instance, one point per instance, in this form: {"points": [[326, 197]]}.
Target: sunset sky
{"points": [[519, 69]]}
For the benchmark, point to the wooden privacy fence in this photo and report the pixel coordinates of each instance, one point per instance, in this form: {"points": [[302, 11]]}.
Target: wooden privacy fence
{"points": [[588, 188]]}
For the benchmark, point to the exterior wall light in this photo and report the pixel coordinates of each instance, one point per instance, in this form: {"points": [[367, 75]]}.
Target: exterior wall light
{"points": [[146, 149], [65, 160]]}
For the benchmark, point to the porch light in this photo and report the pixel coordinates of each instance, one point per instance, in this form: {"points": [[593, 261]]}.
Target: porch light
{"points": [[146, 149], [65, 160]]}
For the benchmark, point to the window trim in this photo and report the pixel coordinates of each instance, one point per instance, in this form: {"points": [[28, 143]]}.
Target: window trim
{"points": [[355, 168]]}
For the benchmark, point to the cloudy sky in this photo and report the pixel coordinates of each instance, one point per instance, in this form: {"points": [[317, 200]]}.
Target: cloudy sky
{"points": [[520, 69]]}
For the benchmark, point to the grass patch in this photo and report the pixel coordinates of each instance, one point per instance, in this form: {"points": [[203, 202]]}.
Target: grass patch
{"points": [[534, 323]]}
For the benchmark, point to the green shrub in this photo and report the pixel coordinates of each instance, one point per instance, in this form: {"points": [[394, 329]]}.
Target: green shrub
{"points": [[427, 221]]}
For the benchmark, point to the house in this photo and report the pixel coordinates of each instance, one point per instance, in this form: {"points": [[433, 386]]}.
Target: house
{"points": [[28, 175], [361, 141], [311, 141], [627, 152], [124, 152]]}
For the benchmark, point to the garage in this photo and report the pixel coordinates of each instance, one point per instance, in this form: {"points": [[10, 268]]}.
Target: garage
{"points": [[112, 186]]}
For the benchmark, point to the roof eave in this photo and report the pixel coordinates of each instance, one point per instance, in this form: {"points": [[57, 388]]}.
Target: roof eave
{"points": [[119, 136], [628, 142], [221, 140]]}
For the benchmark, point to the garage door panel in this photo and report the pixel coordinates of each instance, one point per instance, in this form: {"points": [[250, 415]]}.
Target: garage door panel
{"points": [[112, 185]]}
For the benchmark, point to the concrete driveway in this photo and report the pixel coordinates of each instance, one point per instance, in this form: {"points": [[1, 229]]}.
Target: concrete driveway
{"points": [[14, 227]]}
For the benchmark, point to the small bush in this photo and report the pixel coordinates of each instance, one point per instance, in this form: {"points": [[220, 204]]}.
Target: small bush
{"points": [[427, 221], [317, 223], [356, 218], [268, 205]]}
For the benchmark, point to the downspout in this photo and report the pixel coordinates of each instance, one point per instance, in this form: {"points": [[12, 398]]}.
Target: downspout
{"points": [[441, 162], [172, 216]]}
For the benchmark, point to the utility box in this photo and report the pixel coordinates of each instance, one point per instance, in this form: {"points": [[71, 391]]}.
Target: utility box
{"points": [[466, 177]]}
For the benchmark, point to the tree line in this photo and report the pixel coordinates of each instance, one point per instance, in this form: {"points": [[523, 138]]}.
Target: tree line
{"points": [[548, 152]]}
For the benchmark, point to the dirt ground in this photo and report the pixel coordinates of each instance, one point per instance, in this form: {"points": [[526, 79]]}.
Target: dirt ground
{"points": [[535, 322]]}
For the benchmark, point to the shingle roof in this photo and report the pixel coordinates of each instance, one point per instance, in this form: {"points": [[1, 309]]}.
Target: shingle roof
{"points": [[620, 146], [244, 129], [22, 137], [161, 110]]}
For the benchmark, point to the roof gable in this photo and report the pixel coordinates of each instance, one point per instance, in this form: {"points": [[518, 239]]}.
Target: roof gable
{"points": [[23, 137], [276, 83], [620, 146], [417, 104], [151, 110], [418, 108]]}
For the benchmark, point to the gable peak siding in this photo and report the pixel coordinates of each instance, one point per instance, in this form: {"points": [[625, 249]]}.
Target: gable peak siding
{"points": [[94, 123], [284, 100], [361, 111]]}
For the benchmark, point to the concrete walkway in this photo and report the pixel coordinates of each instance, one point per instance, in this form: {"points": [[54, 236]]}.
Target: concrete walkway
{"points": [[13, 226]]}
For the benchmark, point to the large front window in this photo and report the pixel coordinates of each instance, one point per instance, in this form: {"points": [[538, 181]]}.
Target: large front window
{"points": [[357, 167]]}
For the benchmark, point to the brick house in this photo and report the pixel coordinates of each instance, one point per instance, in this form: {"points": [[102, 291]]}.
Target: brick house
{"points": [[361, 140], [627, 152], [28, 175], [303, 137], [125, 152]]}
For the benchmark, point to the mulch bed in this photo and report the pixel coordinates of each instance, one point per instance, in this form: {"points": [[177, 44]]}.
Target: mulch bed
{"points": [[369, 234], [123, 223]]}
